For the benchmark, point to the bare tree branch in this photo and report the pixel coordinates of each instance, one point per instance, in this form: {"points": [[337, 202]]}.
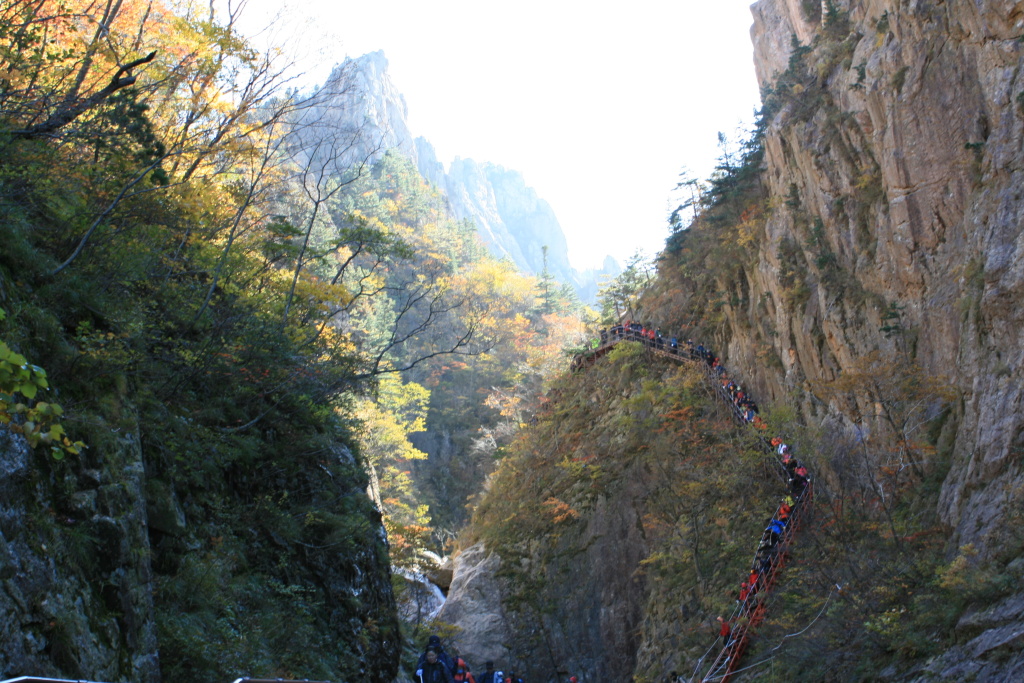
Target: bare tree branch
{"points": [[72, 110]]}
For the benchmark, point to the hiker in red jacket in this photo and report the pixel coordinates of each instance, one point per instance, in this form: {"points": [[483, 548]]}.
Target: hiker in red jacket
{"points": [[744, 594], [724, 630], [784, 510]]}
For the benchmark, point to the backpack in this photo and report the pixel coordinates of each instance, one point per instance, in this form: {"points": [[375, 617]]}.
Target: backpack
{"points": [[461, 672]]}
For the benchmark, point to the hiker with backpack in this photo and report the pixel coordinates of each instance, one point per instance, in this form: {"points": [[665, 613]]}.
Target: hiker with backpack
{"points": [[462, 674], [774, 531], [490, 675], [798, 481], [433, 670], [784, 511], [434, 643]]}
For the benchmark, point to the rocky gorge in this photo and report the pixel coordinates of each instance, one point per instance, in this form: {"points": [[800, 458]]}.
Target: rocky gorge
{"points": [[857, 265], [881, 225]]}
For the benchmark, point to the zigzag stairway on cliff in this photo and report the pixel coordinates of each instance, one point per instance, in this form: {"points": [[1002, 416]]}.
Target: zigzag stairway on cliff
{"points": [[772, 552]]}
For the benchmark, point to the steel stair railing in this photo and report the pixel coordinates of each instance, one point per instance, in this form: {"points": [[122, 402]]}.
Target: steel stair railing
{"points": [[724, 665]]}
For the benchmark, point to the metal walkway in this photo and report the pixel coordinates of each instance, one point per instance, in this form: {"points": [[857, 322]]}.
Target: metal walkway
{"points": [[749, 613]]}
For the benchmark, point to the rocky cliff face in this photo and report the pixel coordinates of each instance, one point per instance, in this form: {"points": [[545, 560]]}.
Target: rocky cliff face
{"points": [[474, 604], [512, 219], [905, 145], [895, 225], [76, 586], [95, 554], [361, 113]]}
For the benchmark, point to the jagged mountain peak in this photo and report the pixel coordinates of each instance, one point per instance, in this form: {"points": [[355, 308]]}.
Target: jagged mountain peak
{"points": [[359, 95], [513, 219]]}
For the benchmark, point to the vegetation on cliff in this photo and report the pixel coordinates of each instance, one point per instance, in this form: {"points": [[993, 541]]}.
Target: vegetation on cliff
{"points": [[787, 270], [224, 284], [617, 509], [147, 265], [876, 582]]}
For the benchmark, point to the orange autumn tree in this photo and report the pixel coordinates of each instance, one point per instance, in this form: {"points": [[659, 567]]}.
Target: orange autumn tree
{"points": [[60, 61]]}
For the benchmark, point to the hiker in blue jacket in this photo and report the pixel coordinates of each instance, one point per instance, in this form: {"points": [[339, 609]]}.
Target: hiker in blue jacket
{"points": [[774, 531]]}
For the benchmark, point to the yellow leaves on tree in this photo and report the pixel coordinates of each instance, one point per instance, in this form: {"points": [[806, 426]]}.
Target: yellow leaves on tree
{"points": [[400, 410], [750, 226], [957, 574]]}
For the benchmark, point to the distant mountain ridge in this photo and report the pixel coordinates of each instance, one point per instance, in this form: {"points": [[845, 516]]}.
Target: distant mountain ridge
{"points": [[513, 221]]}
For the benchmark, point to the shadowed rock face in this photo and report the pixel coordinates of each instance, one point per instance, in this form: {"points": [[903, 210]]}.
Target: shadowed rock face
{"points": [[594, 630], [54, 619], [77, 579]]}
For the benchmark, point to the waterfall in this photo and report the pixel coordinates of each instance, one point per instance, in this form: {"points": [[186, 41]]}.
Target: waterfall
{"points": [[419, 600]]}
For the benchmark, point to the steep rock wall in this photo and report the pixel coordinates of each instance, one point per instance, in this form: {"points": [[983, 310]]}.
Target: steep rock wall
{"points": [[86, 551], [76, 587], [905, 139]]}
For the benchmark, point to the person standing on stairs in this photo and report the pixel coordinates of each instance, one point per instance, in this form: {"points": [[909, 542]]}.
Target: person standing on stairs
{"points": [[724, 630]]}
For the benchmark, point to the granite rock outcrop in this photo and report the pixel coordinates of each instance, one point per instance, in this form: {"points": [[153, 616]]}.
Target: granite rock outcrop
{"points": [[474, 604], [906, 147]]}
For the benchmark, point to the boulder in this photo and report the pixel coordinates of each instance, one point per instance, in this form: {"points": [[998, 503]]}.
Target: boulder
{"points": [[474, 605]]}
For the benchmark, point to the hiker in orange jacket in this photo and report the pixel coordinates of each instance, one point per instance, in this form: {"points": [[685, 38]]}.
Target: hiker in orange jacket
{"points": [[461, 673]]}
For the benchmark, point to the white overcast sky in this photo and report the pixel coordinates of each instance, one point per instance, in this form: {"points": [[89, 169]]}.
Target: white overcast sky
{"points": [[600, 105]]}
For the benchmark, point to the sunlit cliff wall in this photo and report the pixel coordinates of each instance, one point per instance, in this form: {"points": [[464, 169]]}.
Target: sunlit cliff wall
{"points": [[907, 144]]}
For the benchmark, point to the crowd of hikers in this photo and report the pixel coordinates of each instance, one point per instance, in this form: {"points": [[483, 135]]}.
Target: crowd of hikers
{"points": [[437, 666], [779, 527], [744, 405]]}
